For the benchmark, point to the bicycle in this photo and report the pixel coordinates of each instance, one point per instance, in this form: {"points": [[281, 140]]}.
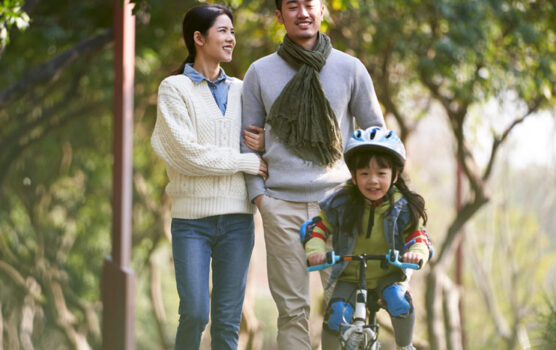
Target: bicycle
{"points": [[360, 334]]}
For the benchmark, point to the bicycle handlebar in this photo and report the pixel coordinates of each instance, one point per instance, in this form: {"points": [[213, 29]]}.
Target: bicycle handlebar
{"points": [[392, 257], [330, 259]]}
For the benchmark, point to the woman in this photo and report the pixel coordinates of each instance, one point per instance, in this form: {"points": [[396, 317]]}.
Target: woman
{"points": [[197, 134]]}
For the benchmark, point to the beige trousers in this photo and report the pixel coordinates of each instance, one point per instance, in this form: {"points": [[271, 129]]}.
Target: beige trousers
{"points": [[286, 267]]}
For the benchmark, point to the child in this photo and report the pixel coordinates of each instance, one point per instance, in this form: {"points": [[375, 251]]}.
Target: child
{"points": [[371, 213]]}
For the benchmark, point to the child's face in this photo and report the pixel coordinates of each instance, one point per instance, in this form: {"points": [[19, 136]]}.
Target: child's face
{"points": [[373, 180]]}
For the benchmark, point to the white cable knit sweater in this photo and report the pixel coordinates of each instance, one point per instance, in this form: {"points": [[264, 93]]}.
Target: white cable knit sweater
{"points": [[200, 147]]}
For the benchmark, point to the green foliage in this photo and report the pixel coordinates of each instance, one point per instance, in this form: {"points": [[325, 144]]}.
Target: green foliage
{"points": [[56, 138], [11, 16], [464, 51], [548, 320], [508, 240]]}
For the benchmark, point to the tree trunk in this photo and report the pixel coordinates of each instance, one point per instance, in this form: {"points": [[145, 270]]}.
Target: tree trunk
{"points": [[433, 305], [250, 332]]}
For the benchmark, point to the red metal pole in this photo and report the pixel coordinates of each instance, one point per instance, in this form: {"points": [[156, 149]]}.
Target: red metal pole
{"points": [[118, 278]]}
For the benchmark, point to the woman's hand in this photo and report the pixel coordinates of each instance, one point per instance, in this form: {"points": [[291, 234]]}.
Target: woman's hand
{"points": [[258, 200], [263, 168], [412, 258], [316, 259], [254, 139]]}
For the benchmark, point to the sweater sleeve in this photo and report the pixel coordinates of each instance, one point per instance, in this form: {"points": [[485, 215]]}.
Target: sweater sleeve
{"points": [[175, 141], [253, 113], [419, 245], [317, 245], [364, 103]]}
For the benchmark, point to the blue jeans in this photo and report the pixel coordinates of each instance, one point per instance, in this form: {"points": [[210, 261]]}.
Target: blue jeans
{"points": [[228, 240]]}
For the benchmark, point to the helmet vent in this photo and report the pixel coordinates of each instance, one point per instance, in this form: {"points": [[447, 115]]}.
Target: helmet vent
{"points": [[375, 139]]}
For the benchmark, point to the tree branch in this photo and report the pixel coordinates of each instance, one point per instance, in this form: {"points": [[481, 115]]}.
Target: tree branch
{"points": [[498, 141], [385, 95], [433, 306], [1, 326], [54, 123], [63, 319], [51, 70], [463, 215], [484, 282], [14, 137], [157, 302], [11, 331], [451, 295], [20, 281]]}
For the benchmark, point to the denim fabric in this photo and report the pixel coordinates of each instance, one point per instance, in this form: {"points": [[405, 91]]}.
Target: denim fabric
{"points": [[228, 240], [334, 207]]}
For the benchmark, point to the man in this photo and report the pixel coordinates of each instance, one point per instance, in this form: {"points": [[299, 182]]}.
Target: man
{"points": [[305, 96]]}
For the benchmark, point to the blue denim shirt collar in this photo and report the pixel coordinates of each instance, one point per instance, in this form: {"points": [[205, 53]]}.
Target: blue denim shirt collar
{"points": [[198, 77], [219, 87]]}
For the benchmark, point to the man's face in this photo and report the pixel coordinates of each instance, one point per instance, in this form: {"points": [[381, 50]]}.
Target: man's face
{"points": [[302, 19]]}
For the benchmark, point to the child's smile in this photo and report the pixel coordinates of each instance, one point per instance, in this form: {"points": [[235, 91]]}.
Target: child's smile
{"points": [[373, 181]]}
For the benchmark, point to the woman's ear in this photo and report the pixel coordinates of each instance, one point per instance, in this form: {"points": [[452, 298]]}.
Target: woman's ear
{"points": [[198, 38], [395, 174]]}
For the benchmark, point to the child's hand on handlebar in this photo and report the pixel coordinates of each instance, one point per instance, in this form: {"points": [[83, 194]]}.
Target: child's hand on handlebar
{"points": [[412, 258], [316, 259]]}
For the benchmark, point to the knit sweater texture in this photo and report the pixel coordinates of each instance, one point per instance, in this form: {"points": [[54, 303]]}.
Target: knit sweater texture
{"points": [[201, 149], [351, 94]]}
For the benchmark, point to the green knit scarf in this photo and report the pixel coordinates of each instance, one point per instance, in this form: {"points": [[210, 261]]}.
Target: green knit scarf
{"points": [[301, 116]]}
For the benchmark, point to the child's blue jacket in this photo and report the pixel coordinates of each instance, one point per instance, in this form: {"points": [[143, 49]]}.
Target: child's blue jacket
{"points": [[395, 222]]}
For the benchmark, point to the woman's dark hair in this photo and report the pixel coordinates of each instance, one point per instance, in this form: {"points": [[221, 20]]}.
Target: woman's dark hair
{"points": [[354, 212], [199, 19]]}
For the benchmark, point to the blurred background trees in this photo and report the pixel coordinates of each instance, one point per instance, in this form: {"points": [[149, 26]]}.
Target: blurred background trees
{"points": [[468, 84]]}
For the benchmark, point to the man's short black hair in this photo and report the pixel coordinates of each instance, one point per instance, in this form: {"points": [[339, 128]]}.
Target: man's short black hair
{"points": [[279, 4]]}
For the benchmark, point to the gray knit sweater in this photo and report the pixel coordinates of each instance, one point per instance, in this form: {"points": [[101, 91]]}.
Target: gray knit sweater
{"points": [[349, 89]]}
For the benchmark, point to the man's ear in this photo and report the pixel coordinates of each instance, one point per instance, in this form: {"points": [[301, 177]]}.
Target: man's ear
{"points": [[198, 38], [279, 16]]}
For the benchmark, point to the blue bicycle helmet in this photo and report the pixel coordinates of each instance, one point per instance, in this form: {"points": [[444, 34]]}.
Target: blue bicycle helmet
{"points": [[375, 138]]}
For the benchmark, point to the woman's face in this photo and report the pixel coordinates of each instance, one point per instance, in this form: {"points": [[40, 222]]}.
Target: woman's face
{"points": [[219, 42], [373, 180]]}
